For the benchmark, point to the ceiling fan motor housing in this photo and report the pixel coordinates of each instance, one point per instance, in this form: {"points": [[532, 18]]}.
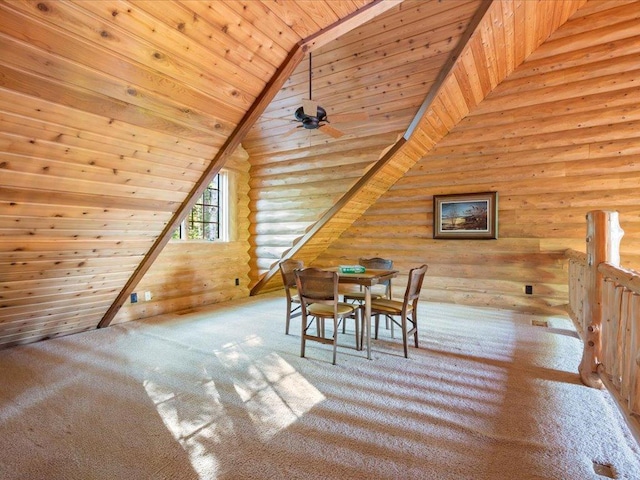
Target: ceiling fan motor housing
{"points": [[309, 121]]}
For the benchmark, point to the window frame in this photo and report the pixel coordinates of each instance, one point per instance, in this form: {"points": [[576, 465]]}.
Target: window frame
{"points": [[223, 212]]}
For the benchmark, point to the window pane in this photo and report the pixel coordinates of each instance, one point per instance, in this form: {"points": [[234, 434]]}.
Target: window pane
{"points": [[203, 222], [210, 214], [211, 231]]}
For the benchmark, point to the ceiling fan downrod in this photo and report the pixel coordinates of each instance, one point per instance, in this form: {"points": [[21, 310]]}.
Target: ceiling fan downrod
{"points": [[310, 75]]}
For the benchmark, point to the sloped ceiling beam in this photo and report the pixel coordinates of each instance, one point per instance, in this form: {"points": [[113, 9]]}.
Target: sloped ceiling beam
{"points": [[501, 36], [349, 22]]}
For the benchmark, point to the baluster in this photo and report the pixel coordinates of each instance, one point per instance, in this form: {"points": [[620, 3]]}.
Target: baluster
{"points": [[608, 302], [624, 342], [612, 364], [634, 357]]}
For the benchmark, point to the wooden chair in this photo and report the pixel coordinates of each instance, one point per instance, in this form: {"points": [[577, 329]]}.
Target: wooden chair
{"points": [[319, 299], [407, 310], [287, 268], [375, 263], [358, 297]]}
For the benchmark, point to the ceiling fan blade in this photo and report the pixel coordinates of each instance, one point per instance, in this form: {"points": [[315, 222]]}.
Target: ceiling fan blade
{"points": [[288, 133], [310, 107], [329, 130], [349, 117]]}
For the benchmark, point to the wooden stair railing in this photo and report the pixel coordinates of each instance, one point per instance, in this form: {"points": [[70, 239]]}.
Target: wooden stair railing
{"points": [[604, 302]]}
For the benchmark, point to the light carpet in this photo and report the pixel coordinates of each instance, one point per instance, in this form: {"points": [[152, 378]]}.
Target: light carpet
{"points": [[222, 393]]}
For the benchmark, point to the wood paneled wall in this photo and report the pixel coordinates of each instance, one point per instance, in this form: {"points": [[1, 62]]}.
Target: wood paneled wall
{"points": [[557, 138], [191, 273], [111, 114]]}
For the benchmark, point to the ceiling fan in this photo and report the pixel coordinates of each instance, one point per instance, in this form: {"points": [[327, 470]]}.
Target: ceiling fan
{"points": [[312, 116]]}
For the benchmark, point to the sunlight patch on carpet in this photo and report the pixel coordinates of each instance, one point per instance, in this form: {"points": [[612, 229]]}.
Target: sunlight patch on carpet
{"points": [[273, 392], [193, 428]]}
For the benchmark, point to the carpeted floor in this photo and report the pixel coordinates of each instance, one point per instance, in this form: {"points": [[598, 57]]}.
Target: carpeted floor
{"points": [[222, 393]]}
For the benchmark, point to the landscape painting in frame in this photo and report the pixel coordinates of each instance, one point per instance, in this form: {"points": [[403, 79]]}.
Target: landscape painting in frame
{"points": [[466, 216]]}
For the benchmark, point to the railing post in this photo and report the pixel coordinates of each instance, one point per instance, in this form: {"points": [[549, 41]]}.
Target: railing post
{"points": [[603, 245]]}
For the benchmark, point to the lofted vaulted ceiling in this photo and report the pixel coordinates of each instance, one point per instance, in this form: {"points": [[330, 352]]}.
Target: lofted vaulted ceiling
{"points": [[115, 114], [416, 70]]}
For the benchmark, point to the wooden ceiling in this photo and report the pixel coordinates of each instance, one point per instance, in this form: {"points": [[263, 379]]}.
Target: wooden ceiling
{"points": [[114, 115]]}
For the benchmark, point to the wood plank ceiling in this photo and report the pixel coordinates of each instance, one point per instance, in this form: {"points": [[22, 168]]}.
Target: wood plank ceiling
{"points": [[116, 113]]}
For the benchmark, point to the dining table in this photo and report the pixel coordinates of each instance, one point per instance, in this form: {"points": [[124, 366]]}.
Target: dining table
{"points": [[366, 279]]}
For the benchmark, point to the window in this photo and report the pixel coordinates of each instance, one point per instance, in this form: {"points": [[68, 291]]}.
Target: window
{"points": [[207, 220]]}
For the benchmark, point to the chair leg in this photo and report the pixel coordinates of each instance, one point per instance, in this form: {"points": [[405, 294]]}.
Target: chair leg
{"points": [[304, 332], [388, 321], [404, 336], [357, 321], [362, 325], [286, 327], [376, 323], [414, 325], [335, 339]]}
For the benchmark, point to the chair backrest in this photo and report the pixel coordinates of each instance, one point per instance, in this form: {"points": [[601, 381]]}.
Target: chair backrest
{"points": [[414, 285], [378, 263], [287, 268], [317, 286]]}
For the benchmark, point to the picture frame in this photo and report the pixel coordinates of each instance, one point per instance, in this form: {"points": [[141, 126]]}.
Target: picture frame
{"points": [[466, 216]]}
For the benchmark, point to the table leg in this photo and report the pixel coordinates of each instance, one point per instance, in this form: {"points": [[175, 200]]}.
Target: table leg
{"points": [[367, 317]]}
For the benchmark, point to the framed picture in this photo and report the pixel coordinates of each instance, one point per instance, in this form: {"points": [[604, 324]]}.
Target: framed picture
{"points": [[466, 216]]}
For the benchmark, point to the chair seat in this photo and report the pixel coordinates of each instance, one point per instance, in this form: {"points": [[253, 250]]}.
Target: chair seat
{"points": [[322, 310], [386, 306]]}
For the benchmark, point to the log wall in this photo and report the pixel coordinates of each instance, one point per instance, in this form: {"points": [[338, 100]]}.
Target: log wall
{"points": [[557, 138]]}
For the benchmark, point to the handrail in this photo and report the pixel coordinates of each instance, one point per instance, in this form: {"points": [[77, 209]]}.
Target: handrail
{"points": [[622, 276]]}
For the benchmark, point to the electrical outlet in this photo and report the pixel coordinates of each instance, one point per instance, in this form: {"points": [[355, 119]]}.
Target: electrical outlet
{"points": [[237, 282], [147, 296], [528, 289], [134, 298]]}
